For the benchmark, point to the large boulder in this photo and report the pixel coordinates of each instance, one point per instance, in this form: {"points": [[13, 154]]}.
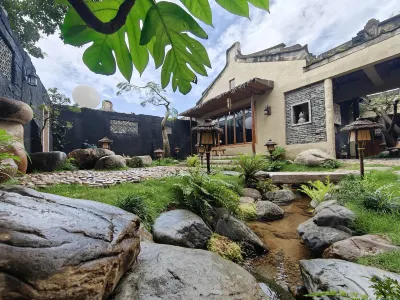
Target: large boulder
{"points": [[280, 197], [252, 193], [87, 158], [147, 161], [110, 162], [246, 200], [313, 158], [175, 273], [332, 274], [268, 211], [8, 169], [181, 228], [46, 161], [16, 147], [227, 225], [55, 247], [334, 215], [318, 238], [358, 246]]}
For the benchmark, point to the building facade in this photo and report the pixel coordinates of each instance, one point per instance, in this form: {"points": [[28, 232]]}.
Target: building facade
{"points": [[299, 100]]}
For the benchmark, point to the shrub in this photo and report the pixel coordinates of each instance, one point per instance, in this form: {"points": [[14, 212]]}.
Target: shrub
{"points": [[249, 165], [235, 186], [273, 166], [68, 165], [193, 161], [247, 212], [316, 190], [135, 204], [331, 164], [264, 186], [135, 162], [200, 193], [278, 154], [164, 161], [225, 248]]}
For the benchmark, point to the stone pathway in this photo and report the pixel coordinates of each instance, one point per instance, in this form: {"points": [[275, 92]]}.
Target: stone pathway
{"points": [[391, 162], [97, 178]]}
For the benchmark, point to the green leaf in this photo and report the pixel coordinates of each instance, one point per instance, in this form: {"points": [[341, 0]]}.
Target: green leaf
{"points": [[237, 7], [200, 9], [167, 22], [263, 4]]}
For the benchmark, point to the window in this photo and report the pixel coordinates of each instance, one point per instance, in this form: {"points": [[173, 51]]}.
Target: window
{"points": [[301, 113], [236, 127], [124, 127], [232, 84], [6, 60]]}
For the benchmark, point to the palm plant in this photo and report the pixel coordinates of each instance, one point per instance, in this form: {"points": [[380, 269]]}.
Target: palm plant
{"points": [[249, 165]]}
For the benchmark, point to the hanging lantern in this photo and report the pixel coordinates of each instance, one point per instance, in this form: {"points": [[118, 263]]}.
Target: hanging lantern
{"points": [[31, 77]]}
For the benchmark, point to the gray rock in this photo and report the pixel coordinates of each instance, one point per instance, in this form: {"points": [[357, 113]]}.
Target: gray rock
{"points": [[253, 193], [237, 231], [181, 228], [268, 211], [334, 215], [358, 246], [110, 162], [333, 274], [314, 203], [46, 161], [87, 158], [324, 205], [175, 273], [246, 200], [318, 238], [313, 158], [280, 197], [147, 161], [8, 169], [60, 248], [262, 175], [231, 173]]}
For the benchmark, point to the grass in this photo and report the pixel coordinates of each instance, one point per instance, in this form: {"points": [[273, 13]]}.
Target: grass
{"points": [[302, 168], [389, 261]]}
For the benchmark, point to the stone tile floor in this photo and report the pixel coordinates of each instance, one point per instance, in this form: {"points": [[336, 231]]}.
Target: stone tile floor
{"points": [[98, 178]]}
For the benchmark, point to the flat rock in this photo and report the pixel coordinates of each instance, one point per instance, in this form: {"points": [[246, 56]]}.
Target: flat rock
{"points": [[231, 173], [280, 197], [235, 230], [313, 158], [252, 193], [334, 215], [181, 228], [333, 274], [110, 162], [175, 273], [146, 159], [318, 238], [87, 158], [246, 200], [46, 161], [268, 211], [358, 246], [324, 204], [60, 248]]}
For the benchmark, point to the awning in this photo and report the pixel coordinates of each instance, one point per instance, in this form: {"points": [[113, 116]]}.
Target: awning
{"points": [[254, 86]]}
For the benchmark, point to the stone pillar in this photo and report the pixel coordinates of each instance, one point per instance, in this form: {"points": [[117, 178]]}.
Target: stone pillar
{"points": [[329, 119]]}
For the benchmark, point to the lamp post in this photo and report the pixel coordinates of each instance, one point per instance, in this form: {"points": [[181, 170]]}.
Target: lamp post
{"points": [[159, 153], [177, 150], [360, 133], [207, 137], [105, 143], [270, 146]]}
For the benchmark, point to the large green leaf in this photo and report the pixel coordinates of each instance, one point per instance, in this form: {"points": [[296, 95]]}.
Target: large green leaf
{"points": [[241, 7], [263, 4], [167, 23], [200, 9]]}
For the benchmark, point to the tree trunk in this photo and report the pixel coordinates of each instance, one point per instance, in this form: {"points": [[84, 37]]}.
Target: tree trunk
{"points": [[389, 122], [164, 132]]}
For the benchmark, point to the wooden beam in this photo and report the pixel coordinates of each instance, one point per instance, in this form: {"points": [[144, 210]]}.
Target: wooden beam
{"points": [[226, 130], [244, 125], [253, 125], [191, 138], [234, 128]]}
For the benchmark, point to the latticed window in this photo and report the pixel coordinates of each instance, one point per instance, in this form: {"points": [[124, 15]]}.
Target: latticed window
{"points": [[5, 59], [125, 127]]}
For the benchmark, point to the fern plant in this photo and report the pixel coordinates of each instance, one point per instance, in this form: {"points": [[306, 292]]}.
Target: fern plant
{"points": [[193, 161], [249, 165], [316, 190]]}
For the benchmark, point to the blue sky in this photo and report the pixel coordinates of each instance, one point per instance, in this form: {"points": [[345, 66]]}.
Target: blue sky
{"points": [[319, 23]]}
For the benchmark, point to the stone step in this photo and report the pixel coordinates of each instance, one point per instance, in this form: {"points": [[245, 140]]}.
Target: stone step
{"points": [[219, 162], [223, 157], [304, 177]]}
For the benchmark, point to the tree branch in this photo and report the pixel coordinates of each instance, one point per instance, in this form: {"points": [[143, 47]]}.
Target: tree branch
{"points": [[103, 27]]}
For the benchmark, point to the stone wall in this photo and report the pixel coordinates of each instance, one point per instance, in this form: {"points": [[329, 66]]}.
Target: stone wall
{"points": [[315, 131], [132, 134], [14, 61]]}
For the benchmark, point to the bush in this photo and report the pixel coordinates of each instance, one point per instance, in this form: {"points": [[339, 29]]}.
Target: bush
{"points": [[135, 204], [164, 161], [316, 190], [68, 165], [273, 166], [135, 162], [264, 186], [225, 248], [331, 164], [278, 154], [200, 193], [193, 161], [247, 212], [249, 165]]}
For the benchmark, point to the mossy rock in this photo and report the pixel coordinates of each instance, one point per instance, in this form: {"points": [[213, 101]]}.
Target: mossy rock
{"points": [[225, 248]]}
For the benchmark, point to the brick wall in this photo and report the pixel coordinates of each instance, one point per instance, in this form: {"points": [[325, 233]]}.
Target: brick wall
{"points": [[315, 131]]}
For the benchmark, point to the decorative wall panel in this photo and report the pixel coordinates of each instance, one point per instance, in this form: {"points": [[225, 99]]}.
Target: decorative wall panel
{"points": [[5, 60], [124, 127]]}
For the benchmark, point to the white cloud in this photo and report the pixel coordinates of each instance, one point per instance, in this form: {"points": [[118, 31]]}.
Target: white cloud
{"points": [[319, 23]]}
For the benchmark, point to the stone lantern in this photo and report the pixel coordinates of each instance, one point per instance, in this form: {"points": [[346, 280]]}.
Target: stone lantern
{"points": [[105, 143], [177, 150], [207, 137], [159, 153], [270, 146]]}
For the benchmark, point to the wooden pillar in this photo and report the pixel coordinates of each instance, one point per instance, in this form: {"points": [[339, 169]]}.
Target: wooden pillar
{"points": [[191, 138], [253, 124], [244, 125]]}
